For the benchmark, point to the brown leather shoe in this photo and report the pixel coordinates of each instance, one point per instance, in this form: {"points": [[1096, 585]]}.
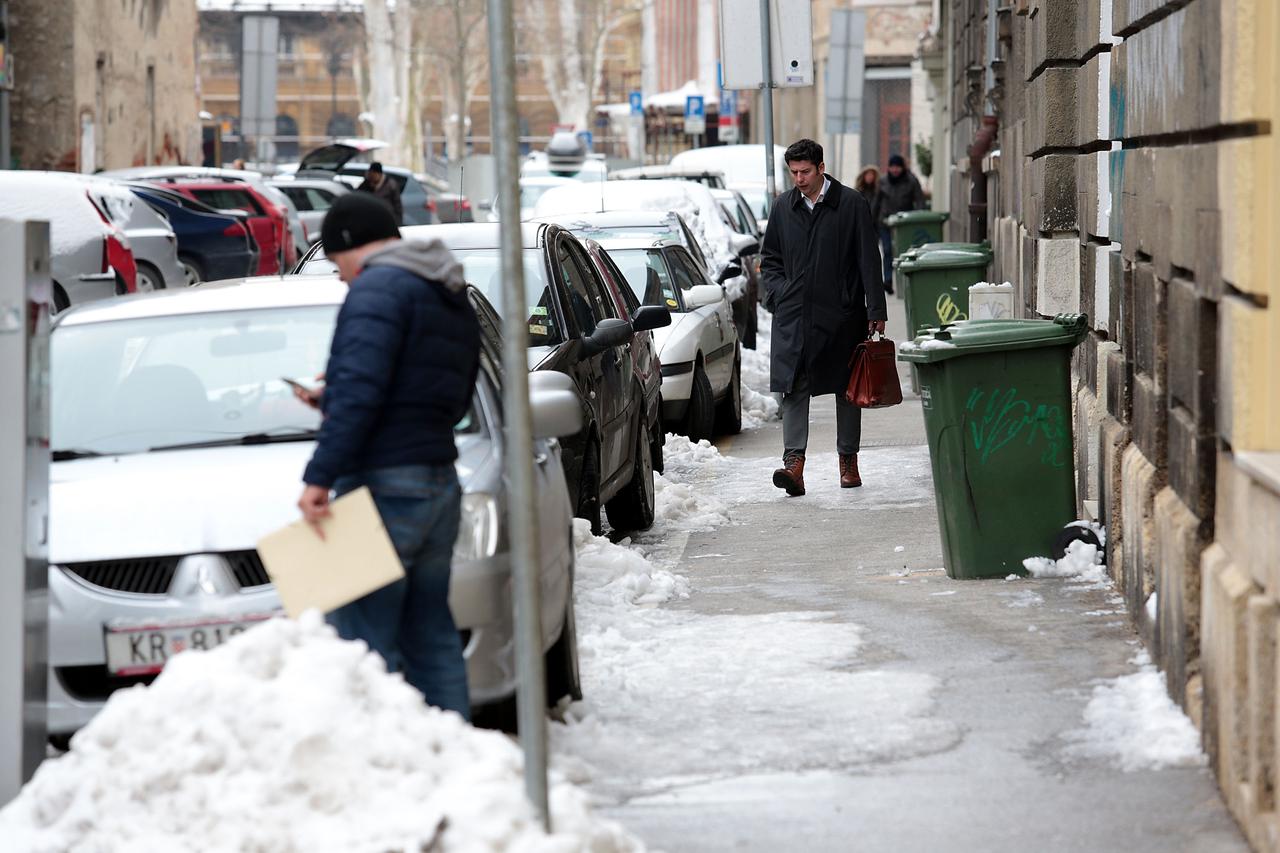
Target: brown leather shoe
{"points": [[791, 476], [849, 477]]}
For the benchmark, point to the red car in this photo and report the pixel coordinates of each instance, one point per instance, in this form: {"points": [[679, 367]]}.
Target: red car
{"points": [[268, 223]]}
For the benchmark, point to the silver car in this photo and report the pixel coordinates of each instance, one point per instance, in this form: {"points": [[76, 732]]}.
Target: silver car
{"points": [[155, 246], [312, 197], [177, 445]]}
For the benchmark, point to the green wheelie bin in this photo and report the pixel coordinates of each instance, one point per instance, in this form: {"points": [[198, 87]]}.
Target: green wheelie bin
{"points": [[997, 411], [936, 284], [915, 228], [915, 251]]}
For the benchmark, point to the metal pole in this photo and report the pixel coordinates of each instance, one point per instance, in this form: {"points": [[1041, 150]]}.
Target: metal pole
{"points": [[530, 667], [6, 155], [766, 51]]}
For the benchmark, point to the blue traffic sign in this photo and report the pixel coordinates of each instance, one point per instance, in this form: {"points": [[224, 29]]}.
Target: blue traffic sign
{"points": [[728, 104], [695, 107], [637, 103]]}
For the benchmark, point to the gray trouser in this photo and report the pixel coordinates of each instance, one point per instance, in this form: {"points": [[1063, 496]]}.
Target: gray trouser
{"points": [[795, 421]]}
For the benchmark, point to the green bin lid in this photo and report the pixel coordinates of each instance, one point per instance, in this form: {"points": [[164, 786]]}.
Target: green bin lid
{"points": [[947, 259], [983, 247], [973, 337], [916, 216]]}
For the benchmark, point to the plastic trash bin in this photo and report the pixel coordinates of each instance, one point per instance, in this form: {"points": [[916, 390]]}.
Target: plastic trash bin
{"points": [[936, 286], [997, 411], [915, 252], [915, 228]]}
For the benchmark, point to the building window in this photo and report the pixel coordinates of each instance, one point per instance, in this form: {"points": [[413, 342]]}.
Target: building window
{"points": [[340, 124]]}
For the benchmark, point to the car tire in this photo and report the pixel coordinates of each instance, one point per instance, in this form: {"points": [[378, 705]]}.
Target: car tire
{"points": [[656, 443], [729, 411], [588, 504], [753, 326], [192, 269], [632, 508], [564, 676], [700, 421], [149, 278]]}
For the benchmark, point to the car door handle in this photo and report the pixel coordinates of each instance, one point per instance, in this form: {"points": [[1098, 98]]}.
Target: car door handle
{"points": [[540, 458]]}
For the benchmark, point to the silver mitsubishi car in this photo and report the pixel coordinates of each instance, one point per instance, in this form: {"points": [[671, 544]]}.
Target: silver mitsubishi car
{"points": [[177, 444]]}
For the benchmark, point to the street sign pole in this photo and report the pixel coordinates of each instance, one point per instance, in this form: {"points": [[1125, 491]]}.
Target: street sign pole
{"points": [[530, 667], [766, 93]]}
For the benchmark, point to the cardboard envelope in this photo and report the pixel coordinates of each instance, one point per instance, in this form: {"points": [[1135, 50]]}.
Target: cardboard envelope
{"points": [[355, 557]]}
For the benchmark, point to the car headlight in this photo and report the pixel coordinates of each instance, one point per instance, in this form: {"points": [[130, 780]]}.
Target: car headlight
{"points": [[478, 530]]}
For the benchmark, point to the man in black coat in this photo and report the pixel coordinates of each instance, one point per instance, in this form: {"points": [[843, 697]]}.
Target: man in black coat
{"points": [[899, 191], [377, 183], [820, 269]]}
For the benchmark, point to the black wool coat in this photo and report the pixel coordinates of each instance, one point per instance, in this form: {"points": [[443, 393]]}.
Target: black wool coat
{"points": [[822, 280]]}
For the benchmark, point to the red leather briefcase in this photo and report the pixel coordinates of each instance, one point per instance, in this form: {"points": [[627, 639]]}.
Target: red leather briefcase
{"points": [[874, 383]]}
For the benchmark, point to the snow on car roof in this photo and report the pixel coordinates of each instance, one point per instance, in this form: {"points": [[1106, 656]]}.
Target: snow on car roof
{"points": [[237, 294], [613, 219], [739, 163], [472, 235]]}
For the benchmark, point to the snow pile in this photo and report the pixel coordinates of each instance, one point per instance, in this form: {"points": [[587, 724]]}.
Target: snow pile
{"points": [[608, 575], [758, 402], [1132, 723], [289, 739], [679, 504], [1082, 563]]}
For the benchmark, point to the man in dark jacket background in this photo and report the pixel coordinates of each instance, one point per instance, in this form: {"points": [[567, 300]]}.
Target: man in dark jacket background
{"points": [[401, 373], [899, 191], [377, 183], [820, 269]]}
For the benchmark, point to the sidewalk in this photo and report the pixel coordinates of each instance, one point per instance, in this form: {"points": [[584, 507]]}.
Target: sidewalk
{"points": [[944, 716]]}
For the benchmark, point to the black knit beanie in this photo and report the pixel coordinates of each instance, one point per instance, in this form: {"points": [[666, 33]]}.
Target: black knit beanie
{"points": [[357, 219]]}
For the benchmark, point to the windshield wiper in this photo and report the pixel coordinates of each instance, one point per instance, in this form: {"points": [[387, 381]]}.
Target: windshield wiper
{"points": [[73, 453], [250, 439]]}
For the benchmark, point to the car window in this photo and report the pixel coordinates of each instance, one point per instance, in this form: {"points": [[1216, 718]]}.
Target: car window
{"points": [[680, 269], [299, 198], [619, 281], [228, 199], [691, 243], [482, 268], [319, 199], [579, 286], [648, 276]]}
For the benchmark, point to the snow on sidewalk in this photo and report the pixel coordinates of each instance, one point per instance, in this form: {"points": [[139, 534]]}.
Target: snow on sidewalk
{"points": [[289, 739], [1132, 723]]}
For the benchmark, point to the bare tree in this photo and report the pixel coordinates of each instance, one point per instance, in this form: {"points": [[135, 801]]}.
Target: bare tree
{"points": [[453, 40], [392, 100], [570, 37]]}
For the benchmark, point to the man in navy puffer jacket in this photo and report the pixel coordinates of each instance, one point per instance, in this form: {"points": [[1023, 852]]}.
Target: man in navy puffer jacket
{"points": [[401, 373]]}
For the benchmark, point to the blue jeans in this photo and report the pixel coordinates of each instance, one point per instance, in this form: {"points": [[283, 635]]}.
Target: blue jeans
{"points": [[886, 254], [409, 622]]}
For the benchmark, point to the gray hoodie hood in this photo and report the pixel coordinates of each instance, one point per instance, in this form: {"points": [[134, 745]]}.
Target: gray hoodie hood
{"points": [[429, 259]]}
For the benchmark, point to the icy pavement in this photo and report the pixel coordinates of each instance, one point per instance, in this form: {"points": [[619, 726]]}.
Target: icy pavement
{"points": [[765, 673]]}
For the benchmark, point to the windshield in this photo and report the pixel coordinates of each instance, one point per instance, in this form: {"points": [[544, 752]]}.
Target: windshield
{"points": [[483, 270], [530, 193], [646, 272]]}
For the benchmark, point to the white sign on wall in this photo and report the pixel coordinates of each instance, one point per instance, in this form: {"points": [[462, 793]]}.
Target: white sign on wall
{"points": [[791, 24]]}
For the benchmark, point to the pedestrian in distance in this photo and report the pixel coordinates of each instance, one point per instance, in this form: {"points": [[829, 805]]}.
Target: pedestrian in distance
{"points": [[899, 191], [377, 182], [820, 268], [401, 372], [868, 184]]}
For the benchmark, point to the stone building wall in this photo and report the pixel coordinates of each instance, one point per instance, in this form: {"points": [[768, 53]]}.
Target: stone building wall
{"points": [[104, 83], [1137, 181]]}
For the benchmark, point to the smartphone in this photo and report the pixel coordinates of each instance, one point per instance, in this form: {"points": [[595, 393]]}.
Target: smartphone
{"points": [[296, 385]]}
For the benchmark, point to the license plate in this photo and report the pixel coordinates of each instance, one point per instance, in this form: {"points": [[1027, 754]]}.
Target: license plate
{"points": [[145, 649]]}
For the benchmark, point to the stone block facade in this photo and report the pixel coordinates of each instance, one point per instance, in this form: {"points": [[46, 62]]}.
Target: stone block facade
{"points": [[1139, 181]]}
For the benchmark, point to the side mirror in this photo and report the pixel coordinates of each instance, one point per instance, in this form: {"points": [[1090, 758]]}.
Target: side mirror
{"points": [[752, 248], [745, 244], [649, 317], [733, 269], [703, 294], [609, 333], [551, 380], [555, 413]]}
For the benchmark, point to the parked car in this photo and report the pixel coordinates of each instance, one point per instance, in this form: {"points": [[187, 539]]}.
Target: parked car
{"points": [[90, 255], [175, 402], [211, 245], [290, 249], [575, 329], [152, 238], [711, 178], [633, 224], [644, 352], [744, 224], [312, 197], [347, 160], [266, 221], [531, 189], [743, 167], [757, 197], [566, 156], [699, 351]]}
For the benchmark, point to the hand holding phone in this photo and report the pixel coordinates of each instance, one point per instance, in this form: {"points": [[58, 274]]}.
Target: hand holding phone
{"points": [[308, 396]]}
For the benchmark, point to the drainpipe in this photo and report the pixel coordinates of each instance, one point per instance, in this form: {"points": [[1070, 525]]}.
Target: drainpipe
{"points": [[984, 140]]}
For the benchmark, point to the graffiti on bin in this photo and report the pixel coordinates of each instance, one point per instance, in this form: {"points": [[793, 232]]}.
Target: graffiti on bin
{"points": [[997, 417], [948, 310]]}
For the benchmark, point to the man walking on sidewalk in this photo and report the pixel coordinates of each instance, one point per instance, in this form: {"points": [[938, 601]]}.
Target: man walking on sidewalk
{"points": [[402, 369], [820, 269]]}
